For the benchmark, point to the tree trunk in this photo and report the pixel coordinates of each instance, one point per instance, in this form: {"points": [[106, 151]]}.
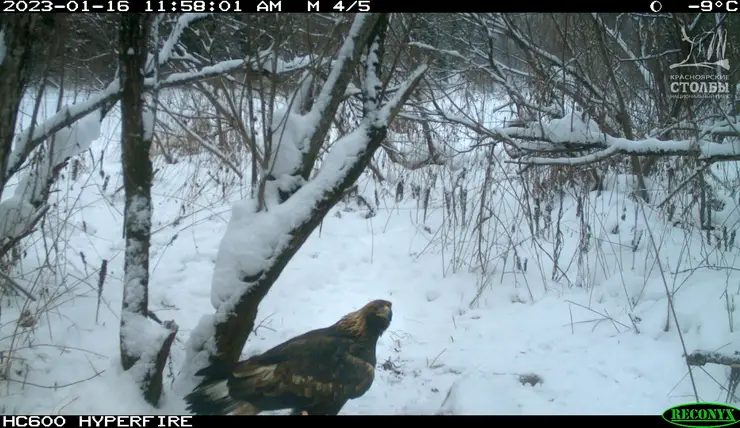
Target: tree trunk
{"points": [[19, 33], [227, 334], [232, 334], [141, 340]]}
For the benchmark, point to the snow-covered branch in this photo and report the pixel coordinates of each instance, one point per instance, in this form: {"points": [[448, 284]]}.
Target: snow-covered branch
{"points": [[571, 134], [258, 244], [298, 138], [700, 358], [183, 22], [25, 144], [17, 212]]}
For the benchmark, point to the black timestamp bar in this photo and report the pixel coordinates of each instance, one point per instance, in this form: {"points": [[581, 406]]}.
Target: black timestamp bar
{"points": [[399, 6], [255, 6], [348, 6], [10, 6], [200, 6]]}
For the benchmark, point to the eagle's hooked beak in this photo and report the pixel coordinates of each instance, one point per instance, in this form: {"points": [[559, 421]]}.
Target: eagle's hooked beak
{"points": [[385, 312]]}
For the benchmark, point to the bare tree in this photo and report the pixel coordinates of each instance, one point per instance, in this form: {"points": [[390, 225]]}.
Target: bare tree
{"points": [[21, 56], [142, 345], [44, 147], [263, 236], [608, 74]]}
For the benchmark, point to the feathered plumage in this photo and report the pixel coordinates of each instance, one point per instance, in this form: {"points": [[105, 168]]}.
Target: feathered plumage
{"points": [[314, 373]]}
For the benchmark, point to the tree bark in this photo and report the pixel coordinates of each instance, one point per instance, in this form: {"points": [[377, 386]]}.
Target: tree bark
{"points": [[19, 33], [232, 333], [141, 341]]}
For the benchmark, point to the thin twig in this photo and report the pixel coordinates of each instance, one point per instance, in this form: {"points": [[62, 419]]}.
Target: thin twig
{"points": [[65, 385], [670, 300]]}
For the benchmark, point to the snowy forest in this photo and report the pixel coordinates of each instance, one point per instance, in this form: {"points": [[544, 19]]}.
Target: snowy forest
{"points": [[550, 202]]}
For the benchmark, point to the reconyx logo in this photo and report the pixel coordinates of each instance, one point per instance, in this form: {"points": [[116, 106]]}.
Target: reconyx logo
{"points": [[701, 415]]}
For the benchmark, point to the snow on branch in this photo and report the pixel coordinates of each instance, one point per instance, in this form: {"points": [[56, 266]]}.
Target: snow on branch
{"points": [[258, 244], [727, 127], [700, 358], [329, 97], [272, 230], [182, 23], [280, 66], [25, 142], [394, 105], [255, 238], [571, 131], [298, 138], [17, 212]]}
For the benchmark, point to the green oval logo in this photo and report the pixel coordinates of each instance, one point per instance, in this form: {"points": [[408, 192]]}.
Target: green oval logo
{"points": [[700, 415]]}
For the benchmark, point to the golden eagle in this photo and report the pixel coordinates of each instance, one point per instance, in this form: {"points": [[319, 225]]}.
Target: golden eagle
{"points": [[315, 373]]}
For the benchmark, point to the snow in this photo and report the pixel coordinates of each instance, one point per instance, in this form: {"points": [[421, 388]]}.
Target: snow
{"points": [[574, 130], [143, 338], [148, 120], [24, 141], [183, 22], [290, 140], [254, 238], [445, 357], [16, 212], [459, 343]]}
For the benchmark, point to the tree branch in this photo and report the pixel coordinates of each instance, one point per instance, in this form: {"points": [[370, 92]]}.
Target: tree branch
{"points": [[700, 358]]}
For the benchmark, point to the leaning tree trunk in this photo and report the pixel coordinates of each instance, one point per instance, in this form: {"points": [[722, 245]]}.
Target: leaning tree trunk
{"points": [[144, 345], [222, 337]]}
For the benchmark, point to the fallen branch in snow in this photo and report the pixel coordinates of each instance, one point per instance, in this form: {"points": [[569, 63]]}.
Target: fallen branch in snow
{"points": [[571, 134], [700, 358], [555, 139], [605, 316]]}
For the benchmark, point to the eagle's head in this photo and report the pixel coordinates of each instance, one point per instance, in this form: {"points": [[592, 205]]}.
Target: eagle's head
{"points": [[378, 315], [371, 320]]}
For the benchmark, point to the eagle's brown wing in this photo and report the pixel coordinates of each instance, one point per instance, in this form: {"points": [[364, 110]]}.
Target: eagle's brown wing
{"points": [[307, 371]]}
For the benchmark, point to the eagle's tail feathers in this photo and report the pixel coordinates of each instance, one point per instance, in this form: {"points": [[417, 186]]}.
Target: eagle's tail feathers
{"points": [[216, 370], [212, 396]]}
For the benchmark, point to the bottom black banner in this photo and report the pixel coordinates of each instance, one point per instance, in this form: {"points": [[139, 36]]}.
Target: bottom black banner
{"points": [[171, 421]]}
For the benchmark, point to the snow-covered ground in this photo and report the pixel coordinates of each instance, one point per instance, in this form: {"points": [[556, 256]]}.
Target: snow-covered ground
{"points": [[445, 352]]}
